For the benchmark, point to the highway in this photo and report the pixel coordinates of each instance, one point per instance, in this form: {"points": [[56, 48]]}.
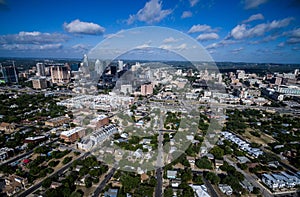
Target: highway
{"points": [[58, 172], [100, 187]]}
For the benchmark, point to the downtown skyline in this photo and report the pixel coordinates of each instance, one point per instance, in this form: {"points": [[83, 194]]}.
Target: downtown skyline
{"points": [[238, 31]]}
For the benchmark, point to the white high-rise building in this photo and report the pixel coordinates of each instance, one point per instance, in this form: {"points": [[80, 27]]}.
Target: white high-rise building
{"points": [[85, 60], [120, 65], [99, 67], [41, 71]]}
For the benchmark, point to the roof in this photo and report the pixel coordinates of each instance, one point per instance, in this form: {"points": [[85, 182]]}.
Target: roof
{"points": [[72, 131]]}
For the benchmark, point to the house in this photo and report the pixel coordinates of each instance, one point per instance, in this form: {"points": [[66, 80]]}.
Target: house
{"points": [[242, 159], [200, 190], [218, 163], [111, 193], [175, 183], [7, 128], [171, 174], [226, 189], [55, 185], [14, 184], [270, 181]]}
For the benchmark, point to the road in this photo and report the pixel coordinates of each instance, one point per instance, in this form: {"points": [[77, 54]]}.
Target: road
{"points": [[58, 172], [100, 187], [16, 158], [251, 178], [160, 160], [210, 188]]}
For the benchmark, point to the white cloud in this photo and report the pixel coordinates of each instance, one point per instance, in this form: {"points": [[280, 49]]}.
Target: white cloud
{"points": [[35, 37], [254, 17], [237, 50], [193, 2], [250, 4], [80, 27], [151, 13], [27, 47], [221, 43], [241, 31], [200, 28], [208, 36], [186, 14], [170, 40], [181, 47], [281, 44]]}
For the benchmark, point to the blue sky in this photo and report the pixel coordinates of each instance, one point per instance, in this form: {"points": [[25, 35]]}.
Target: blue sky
{"points": [[234, 30]]}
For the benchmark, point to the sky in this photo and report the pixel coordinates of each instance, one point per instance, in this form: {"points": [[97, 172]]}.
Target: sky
{"points": [[254, 31]]}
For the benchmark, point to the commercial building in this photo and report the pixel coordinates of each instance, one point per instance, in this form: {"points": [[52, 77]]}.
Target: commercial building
{"points": [[60, 74], [39, 83], [34, 139], [41, 71], [147, 89], [126, 89], [58, 121], [96, 137], [100, 121], [73, 134], [9, 73], [104, 132]]}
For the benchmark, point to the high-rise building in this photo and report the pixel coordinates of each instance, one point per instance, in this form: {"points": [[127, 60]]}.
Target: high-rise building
{"points": [[9, 74], [99, 67], [40, 69], [60, 74], [39, 83], [147, 89], [113, 70], [126, 89], [85, 60], [120, 65]]}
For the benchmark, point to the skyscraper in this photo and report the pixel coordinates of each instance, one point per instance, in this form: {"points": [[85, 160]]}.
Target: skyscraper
{"points": [[40, 69], [10, 74], [99, 67], [60, 74], [85, 60], [120, 65]]}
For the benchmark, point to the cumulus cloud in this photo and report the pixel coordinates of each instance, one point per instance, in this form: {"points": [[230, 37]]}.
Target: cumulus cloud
{"points": [[221, 43], [200, 28], [151, 13], [207, 36], [34, 37], [193, 2], [80, 27], [242, 31], [254, 17], [170, 40], [251, 4], [186, 14]]}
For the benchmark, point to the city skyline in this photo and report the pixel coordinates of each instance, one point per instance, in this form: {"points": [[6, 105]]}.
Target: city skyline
{"points": [[238, 31]]}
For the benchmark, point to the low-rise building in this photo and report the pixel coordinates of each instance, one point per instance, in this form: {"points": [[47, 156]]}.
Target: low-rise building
{"points": [[226, 189], [171, 174], [73, 134], [58, 121]]}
